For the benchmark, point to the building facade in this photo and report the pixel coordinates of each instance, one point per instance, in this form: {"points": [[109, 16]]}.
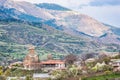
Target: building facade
{"points": [[115, 64], [32, 62], [53, 64]]}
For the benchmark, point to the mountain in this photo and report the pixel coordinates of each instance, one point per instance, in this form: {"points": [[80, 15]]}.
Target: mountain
{"points": [[27, 8], [115, 30], [52, 29], [51, 6], [7, 14], [66, 20]]}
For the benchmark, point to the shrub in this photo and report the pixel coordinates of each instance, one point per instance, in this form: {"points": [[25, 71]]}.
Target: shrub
{"points": [[73, 71], [28, 77], [107, 72], [7, 72], [59, 74]]}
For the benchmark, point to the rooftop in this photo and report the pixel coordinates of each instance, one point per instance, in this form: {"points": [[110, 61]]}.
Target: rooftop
{"points": [[53, 62]]}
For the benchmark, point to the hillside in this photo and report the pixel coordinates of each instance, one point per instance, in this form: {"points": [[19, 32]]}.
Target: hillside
{"points": [[67, 20], [41, 35], [55, 30], [16, 36]]}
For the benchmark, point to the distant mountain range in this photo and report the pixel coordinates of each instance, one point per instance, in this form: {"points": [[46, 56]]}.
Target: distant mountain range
{"points": [[53, 28]]}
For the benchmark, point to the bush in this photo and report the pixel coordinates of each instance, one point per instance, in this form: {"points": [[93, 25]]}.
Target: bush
{"points": [[107, 72], [73, 71], [59, 74], [28, 77], [1, 70], [7, 72]]}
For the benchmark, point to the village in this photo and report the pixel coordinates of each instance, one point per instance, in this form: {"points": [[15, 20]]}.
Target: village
{"points": [[70, 68], [59, 39]]}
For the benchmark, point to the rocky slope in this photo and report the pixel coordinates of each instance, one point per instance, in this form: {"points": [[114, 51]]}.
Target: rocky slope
{"points": [[66, 20], [52, 29]]}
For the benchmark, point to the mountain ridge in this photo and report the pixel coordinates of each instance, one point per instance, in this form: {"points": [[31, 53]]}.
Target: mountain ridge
{"points": [[52, 6], [58, 31], [68, 20]]}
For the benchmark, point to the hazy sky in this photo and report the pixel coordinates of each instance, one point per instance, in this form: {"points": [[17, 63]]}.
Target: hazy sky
{"points": [[107, 11]]}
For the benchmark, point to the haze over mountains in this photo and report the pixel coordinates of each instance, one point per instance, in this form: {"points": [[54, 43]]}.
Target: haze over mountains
{"points": [[54, 28]]}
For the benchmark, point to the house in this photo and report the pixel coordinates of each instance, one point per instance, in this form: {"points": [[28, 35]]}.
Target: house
{"points": [[53, 64], [115, 64]]}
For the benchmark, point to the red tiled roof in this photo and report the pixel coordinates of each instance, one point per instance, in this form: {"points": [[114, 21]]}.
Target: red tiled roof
{"points": [[53, 62]]}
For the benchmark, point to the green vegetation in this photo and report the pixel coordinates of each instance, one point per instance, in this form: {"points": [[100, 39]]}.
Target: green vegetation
{"points": [[28, 77], [104, 77], [71, 72], [19, 72], [15, 37], [1, 70]]}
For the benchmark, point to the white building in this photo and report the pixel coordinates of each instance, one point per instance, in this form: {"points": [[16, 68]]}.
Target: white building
{"points": [[116, 64]]}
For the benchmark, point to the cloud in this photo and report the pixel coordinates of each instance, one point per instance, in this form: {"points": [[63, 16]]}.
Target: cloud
{"points": [[104, 2]]}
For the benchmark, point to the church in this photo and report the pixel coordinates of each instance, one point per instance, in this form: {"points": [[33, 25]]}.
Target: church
{"points": [[32, 62]]}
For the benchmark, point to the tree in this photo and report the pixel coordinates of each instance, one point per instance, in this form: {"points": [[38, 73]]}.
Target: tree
{"points": [[73, 71], [59, 74], [1, 70], [84, 57], [107, 60], [117, 56], [7, 72], [28, 77], [87, 56], [70, 59]]}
